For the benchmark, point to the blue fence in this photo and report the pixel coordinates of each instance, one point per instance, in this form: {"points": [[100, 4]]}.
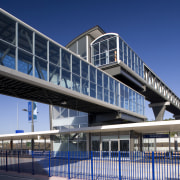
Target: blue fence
{"points": [[94, 165]]}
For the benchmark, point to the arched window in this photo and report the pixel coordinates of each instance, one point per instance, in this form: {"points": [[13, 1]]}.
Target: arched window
{"points": [[104, 49]]}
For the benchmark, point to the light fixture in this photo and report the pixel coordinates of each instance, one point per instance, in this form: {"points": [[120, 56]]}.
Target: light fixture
{"points": [[63, 102]]}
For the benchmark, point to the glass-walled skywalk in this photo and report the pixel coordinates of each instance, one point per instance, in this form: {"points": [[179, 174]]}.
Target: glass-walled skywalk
{"points": [[110, 48], [26, 50]]}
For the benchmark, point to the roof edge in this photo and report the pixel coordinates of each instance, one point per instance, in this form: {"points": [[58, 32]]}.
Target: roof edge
{"points": [[97, 27]]}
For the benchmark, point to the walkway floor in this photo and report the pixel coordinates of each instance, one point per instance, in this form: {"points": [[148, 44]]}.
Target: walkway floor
{"points": [[23, 176]]}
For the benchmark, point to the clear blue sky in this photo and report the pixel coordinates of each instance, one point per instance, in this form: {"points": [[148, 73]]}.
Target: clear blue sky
{"points": [[150, 27]]}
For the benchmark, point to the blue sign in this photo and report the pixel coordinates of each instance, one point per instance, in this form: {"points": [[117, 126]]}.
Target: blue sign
{"points": [[156, 136], [19, 131], [30, 111]]}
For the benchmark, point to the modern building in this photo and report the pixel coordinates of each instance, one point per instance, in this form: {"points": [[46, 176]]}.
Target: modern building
{"points": [[96, 87]]}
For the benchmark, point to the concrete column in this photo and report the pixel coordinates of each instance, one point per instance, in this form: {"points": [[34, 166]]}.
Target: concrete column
{"points": [[141, 142], [159, 109], [44, 144], [11, 144]]}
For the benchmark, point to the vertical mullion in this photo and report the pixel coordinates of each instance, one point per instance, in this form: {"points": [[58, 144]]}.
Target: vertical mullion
{"points": [[16, 42], [33, 51], [48, 61]]}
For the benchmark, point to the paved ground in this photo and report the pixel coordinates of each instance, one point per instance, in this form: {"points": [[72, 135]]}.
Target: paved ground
{"points": [[22, 176]]}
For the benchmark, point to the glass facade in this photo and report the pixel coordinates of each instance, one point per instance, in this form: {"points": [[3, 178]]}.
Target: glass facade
{"points": [[111, 48], [25, 50]]}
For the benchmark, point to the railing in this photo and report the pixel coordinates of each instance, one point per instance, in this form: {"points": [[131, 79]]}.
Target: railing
{"points": [[94, 165]]}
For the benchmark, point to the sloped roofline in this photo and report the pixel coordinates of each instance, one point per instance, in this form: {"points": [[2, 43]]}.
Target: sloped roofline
{"points": [[86, 33]]}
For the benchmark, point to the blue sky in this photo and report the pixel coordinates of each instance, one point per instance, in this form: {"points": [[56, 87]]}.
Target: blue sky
{"points": [[150, 27]]}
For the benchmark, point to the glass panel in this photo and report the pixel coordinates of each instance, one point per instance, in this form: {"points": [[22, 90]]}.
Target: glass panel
{"points": [[82, 146], [99, 92], [41, 69], [124, 145], [106, 95], [76, 83], [85, 86], [54, 74], [129, 57], [73, 113], [121, 49], [7, 29], [112, 97], [40, 46], [84, 69], [93, 90], [104, 58], [111, 81], [133, 61], [112, 43], [54, 56], [95, 145], [92, 74], [130, 100], [106, 81], [75, 65], [65, 58], [136, 64], [25, 38], [103, 46], [96, 61], [25, 63], [64, 112], [99, 78], [114, 145], [105, 146], [117, 93], [7, 55], [122, 95], [126, 98], [66, 79], [96, 49], [134, 101], [125, 53], [112, 56]]}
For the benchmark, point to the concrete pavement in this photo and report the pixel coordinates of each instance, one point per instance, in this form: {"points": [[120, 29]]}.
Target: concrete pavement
{"points": [[23, 176]]}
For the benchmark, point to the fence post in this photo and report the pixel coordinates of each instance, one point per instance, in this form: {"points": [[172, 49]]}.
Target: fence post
{"points": [[153, 175], [49, 163], [91, 165], [32, 163], [18, 163], [69, 165], [6, 161], [119, 165]]}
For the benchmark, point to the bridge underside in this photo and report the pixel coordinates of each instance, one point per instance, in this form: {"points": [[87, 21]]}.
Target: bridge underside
{"points": [[20, 85], [15, 87], [121, 72]]}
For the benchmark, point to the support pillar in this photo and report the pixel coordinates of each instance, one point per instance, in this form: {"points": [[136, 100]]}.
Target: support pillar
{"points": [[32, 144], [44, 144], [11, 144], [141, 142], [159, 109]]}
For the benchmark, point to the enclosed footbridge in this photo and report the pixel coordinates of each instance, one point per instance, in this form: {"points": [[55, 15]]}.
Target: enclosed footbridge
{"points": [[34, 67], [113, 55]]}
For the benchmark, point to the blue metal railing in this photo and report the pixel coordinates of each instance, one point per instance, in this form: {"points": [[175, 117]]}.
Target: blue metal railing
{"points": [[94, 165]]}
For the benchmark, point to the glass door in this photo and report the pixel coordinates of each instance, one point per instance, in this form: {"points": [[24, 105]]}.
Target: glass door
{"points": [[114, 148], [124, 148], [105, 148]]}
